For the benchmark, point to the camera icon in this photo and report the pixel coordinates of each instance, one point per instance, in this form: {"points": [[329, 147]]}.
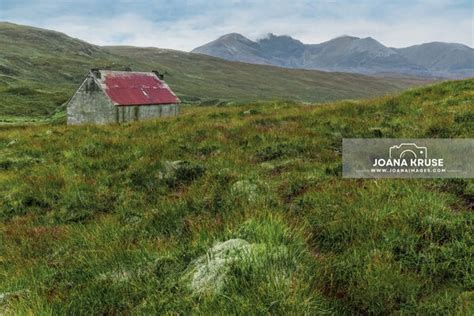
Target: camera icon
{"points": [[408, 151]]}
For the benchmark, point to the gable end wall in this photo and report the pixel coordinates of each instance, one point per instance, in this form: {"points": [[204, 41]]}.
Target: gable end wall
{"points": [[90, 105]]}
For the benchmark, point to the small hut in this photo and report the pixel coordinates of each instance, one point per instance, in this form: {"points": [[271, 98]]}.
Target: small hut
{"points": [[121, 96]]}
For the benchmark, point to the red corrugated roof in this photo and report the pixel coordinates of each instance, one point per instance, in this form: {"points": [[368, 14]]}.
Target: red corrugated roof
{"points": [[136, 88]]}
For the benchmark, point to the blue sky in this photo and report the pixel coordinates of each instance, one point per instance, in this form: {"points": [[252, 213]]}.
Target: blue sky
{"points": [[186, 24]]}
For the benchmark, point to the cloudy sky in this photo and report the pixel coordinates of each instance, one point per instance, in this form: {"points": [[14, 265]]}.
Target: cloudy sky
{"points": [[186, 24]]}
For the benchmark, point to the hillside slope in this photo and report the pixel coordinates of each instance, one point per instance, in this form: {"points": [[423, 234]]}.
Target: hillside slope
{"points": [[40, 69], [209, 77], [236, 210], [347, 54]]}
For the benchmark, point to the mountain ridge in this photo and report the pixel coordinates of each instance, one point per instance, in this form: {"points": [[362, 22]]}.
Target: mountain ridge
{"points": [[41, 69], [347, 54]]}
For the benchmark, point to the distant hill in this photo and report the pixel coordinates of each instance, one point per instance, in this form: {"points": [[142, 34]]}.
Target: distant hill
{"points": [[40, 70], [442, 58], [347, 54]]}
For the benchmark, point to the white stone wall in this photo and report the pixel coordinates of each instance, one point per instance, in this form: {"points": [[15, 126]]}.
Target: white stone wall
{"points": [[145, 112], [89, 105], [151, 111]]}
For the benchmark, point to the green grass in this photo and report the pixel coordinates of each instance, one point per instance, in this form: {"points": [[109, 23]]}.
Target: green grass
{"points": [[41, 69], [96, 220]]}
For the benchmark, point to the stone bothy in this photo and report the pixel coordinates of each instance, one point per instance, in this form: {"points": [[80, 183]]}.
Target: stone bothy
{"points": [[121, 96]]}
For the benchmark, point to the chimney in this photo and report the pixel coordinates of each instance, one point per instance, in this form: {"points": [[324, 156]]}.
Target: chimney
{"points": [[157, 73], [96, 72]]}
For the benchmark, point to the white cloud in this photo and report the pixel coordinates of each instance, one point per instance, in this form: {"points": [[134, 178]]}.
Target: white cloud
{"points": [[395, 24]]}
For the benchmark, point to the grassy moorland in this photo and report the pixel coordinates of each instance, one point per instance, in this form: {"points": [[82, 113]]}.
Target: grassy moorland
{"points": [[103, 220], [40, 70]]}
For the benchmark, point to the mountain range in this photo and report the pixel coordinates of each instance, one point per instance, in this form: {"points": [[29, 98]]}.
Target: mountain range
{"points": [[40, 69], [346, 54]]}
